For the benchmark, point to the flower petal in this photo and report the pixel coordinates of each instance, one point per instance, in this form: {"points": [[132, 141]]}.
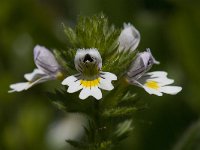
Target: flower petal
{"points": [[154, 61], [155, 74], [45, 60], [85, 93], [137, 69], [170, 89], [37, 73], [141, 64], [162, 81], [74, 87], [69, 80], [108, 76], [152, 91], [158, 76], [96, 93], [106, 84], [41, 80], [18, 87]]}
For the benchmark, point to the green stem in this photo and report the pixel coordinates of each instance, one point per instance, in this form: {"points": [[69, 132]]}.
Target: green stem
{"points": [[97, 135]]}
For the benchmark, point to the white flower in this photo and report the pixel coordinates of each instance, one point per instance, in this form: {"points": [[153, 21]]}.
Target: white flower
{"points": [[157, 83], [90, 79], [129, 38], [152, 82], [47, 69]]}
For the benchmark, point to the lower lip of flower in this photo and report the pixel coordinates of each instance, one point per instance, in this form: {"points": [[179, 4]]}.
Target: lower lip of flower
{"points": [[152, 85], [89, 84]]}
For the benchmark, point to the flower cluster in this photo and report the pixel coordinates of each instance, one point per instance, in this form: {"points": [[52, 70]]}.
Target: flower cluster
{"points": [[90, 76]]}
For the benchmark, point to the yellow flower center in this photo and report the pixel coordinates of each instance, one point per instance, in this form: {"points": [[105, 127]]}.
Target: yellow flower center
{"points": [[89, 84], [152, 85]]}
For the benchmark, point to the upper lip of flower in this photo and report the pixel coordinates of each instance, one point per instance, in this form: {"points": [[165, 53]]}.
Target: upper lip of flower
{"points": [[46, 61], [88, 62], [142, 63]]}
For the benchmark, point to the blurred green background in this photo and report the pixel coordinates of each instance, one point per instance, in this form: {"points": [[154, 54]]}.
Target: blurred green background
{"points": [[171, 28]]}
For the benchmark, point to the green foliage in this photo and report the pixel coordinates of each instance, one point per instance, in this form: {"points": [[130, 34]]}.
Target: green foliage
{"points": [[70, 102], [123, 129], [120, 59], [76, 144], [119, 111], [66, 59], [95, 32]]}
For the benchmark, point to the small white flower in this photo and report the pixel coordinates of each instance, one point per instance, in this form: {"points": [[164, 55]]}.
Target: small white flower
{"points": [[90, 79], [129, 38], [153, 82], [47, 69], [157, 83]]}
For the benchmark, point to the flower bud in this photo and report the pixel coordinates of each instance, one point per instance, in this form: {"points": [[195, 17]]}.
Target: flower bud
{"points": [[129, 38]]}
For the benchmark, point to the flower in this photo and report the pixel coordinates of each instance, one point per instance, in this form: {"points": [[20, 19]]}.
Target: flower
{"points": [[129, 38], [153, 82], [157, 83], [90, 78], [47, 69]]}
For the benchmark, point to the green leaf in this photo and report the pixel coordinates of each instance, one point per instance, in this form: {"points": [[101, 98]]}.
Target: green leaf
{"points": [[122, 131], [119, 111], [77, 144]]}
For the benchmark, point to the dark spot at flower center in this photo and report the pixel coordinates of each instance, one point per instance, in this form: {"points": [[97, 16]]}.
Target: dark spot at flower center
{"points": [[88, 58]]}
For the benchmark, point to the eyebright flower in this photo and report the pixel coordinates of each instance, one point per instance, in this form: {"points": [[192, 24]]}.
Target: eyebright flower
{"points": [[47, 69], [129, 38], [90, 78], [152, 82]]}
